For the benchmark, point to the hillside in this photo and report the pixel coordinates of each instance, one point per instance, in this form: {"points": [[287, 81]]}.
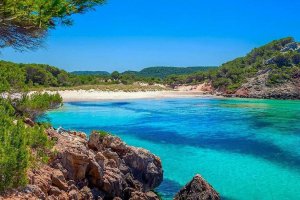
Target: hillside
{"points": [[90, 73], [271, 71], [18, 75], [163, 72]]}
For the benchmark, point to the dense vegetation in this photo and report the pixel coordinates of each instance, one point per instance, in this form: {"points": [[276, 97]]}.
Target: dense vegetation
{"points": [[38, 75], [281, 66], [90, 72], [22, 146], [163, 72]]}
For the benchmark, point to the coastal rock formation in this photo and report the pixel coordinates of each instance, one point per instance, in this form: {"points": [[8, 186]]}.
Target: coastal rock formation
{"points": [[269, 72], [197, 189], [103, 167], [257, 87]]}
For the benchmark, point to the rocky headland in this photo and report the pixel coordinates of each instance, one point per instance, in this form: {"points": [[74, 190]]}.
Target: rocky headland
{"points": [[100, 167], [268, 72]]}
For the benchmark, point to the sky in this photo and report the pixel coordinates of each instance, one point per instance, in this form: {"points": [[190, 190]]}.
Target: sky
{"points": [[133, 34]]}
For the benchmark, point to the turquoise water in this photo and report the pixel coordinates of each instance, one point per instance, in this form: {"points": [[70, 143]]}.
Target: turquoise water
{"points": [[247, 149]]}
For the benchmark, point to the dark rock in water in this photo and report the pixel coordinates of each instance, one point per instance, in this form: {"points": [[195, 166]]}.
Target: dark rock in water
{"points": [[197, 189]]}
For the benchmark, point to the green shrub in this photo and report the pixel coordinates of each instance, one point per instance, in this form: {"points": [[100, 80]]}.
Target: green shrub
{"points": [[102, 133], [36, 104], [21, 147]]}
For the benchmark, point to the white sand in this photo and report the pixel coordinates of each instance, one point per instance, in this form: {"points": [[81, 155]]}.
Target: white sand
{"points": [[95, 95]]}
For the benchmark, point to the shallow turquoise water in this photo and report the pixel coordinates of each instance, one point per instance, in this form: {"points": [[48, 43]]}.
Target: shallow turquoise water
{"points": [[247, 149]]}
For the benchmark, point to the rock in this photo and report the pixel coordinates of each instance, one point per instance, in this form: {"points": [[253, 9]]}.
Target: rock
{"points": [[197, 189], [35, 190], [103, 167], [98, 142], [59, 180], [73, 156], [79, 134], [29, 122], [152, 196], [293, 46], [143, 196], [54, 191], [144, 167], [269, 61], [41, 178], [87, 193], [95, 173], [75, 195], [113, 182], [258, 87], [242, 92]]}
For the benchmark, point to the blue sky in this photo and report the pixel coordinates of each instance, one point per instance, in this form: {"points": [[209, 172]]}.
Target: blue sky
{"points": [[132, 34]]}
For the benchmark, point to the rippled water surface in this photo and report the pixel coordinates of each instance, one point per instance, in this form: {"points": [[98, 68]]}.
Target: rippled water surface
{"points": [[246, 149]]}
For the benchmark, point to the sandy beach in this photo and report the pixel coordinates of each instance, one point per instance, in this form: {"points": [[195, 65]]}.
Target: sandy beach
{"points": [[96, 95]]}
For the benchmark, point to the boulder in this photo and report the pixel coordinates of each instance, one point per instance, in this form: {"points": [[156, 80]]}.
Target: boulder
{"points": [[144, 166], [29, 122], [143, 196], [197, 189], [293, 46], [59, 180]]}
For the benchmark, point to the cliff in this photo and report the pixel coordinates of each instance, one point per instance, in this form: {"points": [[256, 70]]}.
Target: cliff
{"points": [[103, 167]]}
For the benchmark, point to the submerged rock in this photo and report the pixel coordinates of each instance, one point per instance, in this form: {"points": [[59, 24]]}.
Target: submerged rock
{"points": [[197, 189]]}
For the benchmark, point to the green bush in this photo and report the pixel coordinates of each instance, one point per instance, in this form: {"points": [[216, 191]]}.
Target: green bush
{"points": [[36, 104], [21, 147], [102, 133]]}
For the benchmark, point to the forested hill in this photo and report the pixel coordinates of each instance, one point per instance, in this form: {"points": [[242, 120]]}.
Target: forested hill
{"points": [[163, 72], [90, 73], [16, 76], [270, 71], [152, 72]]}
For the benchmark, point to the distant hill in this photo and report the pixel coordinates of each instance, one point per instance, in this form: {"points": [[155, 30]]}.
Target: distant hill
{"points": [[163, 72], [156, 72], [90, 73]]}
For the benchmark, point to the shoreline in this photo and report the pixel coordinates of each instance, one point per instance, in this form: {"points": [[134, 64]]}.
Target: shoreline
{"points": [[98, 95]]}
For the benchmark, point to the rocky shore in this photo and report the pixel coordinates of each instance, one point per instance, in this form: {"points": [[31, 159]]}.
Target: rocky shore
{"points": [[101, 167], [258, 88]]}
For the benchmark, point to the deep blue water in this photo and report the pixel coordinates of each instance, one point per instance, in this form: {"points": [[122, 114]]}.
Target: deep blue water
{"points": [[247, 149]]}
